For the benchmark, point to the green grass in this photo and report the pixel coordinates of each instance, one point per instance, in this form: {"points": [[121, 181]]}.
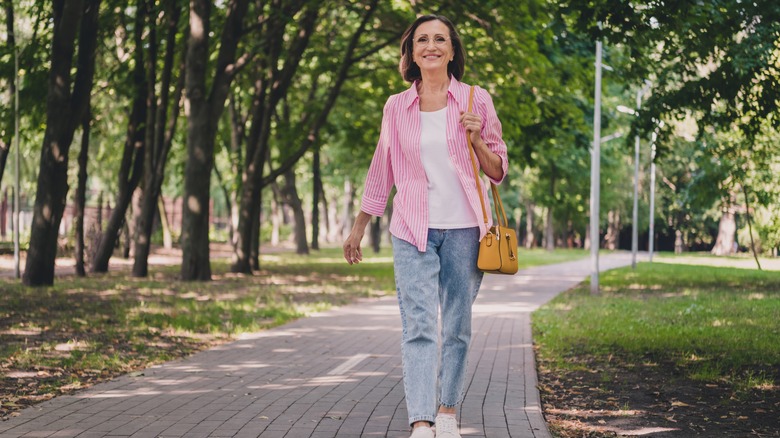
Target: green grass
{"points": [[711, 323]]}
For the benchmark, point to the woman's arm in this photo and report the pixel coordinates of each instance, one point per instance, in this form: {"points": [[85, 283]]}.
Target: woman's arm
{"points": [[489, 162], [352, 252], [484, 128]]}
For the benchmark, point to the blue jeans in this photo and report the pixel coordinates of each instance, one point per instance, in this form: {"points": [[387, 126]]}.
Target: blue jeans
{"points": [[444, 277]]}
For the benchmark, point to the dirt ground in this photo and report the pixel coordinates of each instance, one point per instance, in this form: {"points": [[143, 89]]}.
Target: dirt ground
{"points": [[626, 399]]}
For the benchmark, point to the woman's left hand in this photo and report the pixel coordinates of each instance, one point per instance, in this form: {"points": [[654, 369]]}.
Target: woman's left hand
{"points": [[473, 124]]}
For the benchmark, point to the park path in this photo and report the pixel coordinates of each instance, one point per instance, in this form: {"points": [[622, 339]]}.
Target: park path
{"points": [[334, 374]]}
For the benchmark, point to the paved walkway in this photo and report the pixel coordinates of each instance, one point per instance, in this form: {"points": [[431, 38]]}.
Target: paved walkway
{"points": [[335, 374]]}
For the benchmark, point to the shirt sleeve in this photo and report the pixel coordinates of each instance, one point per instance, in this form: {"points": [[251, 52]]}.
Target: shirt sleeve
{"points": [[380, 180], [491, 129]]}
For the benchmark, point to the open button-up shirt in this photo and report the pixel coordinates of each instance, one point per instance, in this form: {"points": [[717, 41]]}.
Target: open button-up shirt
{"points": [[397, 160]]}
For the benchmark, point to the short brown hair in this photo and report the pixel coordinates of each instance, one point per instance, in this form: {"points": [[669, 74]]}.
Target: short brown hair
{"points": [[411, 71]]}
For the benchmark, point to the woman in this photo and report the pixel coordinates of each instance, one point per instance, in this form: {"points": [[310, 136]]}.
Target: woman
{"points": [[437, 218]]}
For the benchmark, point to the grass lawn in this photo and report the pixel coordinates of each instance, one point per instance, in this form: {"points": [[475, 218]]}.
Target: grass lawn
{"points": [[691, 349]]}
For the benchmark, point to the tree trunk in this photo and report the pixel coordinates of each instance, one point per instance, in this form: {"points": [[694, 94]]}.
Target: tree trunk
{"points": [[156, 157], [750, 225], [276, 220], [126, 240], [530, 236], [315, 201], [99, 213], [334, 227], [348, 209], [237, 138], [131, 166], [4, 214], [254, 252], [65, 110], [549, 230], [376, 234], [5, 143], [166, 226], [81, 196], [679, 245], [291, 198], [310, 124], [613, 229], [265, 103], [205, 106], [727, 231]]}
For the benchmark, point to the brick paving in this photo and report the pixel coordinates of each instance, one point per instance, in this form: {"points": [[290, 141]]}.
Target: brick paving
{"points": [[334, 374]]}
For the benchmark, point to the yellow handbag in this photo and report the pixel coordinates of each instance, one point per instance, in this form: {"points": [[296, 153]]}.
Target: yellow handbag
{"points": [[498, 249]]}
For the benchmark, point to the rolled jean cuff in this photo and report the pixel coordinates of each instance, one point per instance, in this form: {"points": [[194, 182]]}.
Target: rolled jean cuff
{"points": [[446, 405], [427, 418]]}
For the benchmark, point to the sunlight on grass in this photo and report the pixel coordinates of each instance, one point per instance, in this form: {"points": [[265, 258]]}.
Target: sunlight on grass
{"points": [[713, 323]]}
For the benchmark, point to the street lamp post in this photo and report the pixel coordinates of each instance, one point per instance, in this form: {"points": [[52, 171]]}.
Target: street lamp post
{"points": [[635, 214], [595, 176], [651, 239]]}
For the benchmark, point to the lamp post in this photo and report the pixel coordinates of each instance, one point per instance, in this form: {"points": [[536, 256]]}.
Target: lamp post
{"points": [[595, 179], [635, 214], [651, 239]]}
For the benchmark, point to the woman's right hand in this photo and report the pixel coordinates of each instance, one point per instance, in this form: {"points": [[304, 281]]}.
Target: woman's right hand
{"points": [[352, 252]]}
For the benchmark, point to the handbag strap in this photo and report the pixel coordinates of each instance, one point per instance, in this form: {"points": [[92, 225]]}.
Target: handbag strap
{"points": [[500, 213], [472, 154]]}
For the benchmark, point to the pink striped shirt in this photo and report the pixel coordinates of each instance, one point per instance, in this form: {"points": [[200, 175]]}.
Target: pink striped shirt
{"points": [[397, 160]]}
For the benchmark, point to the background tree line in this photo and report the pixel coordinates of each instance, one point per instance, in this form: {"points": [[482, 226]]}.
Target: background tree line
{"points": [[266, 107]]}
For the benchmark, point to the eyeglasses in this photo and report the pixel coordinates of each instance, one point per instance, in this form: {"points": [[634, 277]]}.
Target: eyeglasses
{"points": [[424, 40]]}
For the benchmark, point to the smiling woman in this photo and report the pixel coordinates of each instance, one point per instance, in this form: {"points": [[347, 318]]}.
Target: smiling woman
{"points": [[423, 151]]}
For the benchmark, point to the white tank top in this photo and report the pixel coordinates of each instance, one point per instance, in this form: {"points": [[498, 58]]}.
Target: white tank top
{"points": [[448, 206]]}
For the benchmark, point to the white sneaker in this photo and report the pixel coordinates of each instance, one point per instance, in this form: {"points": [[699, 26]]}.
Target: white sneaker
{"points": [[446, 426], [422, 432]]}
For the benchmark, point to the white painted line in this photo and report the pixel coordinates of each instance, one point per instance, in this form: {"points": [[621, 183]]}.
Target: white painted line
{"points": [[348, 364]]}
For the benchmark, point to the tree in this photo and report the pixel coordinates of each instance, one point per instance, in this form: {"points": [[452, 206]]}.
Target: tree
{"points": [[131, 165], [205, 107], [65, 110], [716, 62], [5, 140], [316, 108], [160, 132], [81, 190]]}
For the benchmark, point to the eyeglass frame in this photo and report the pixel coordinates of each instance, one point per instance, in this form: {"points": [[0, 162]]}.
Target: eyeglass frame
{"points": [[428, 43]]}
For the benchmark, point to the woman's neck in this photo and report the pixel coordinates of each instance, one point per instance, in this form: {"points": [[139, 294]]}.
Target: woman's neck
{"points": [[433, 84]]}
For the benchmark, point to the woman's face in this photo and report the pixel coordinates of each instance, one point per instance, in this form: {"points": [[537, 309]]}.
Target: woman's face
{"points": [[432, 46]]}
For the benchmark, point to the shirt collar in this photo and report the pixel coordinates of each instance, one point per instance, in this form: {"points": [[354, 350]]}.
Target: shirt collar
{"points": [[458, 91]]}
